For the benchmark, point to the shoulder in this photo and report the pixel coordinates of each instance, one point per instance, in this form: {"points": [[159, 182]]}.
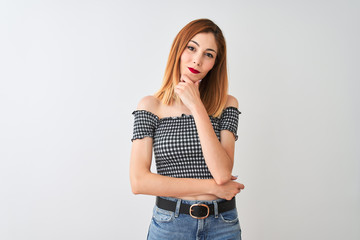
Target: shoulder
{"points": [[149, 103], [231, 102]]}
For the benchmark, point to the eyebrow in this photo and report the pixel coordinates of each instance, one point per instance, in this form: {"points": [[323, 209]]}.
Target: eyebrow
{"points": [[209, 49]]}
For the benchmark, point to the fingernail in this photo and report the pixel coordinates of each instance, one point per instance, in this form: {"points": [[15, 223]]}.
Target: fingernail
{"points": [[236, 176]]}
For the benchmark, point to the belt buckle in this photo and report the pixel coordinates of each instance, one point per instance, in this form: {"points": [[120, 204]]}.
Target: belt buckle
{"points": [[199, 205]]}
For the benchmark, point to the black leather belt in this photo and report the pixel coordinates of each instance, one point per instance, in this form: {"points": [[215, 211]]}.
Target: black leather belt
{"points": [[199, 210]]}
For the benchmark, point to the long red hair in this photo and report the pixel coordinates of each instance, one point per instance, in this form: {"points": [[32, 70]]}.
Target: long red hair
{"points": [[214, 87]]}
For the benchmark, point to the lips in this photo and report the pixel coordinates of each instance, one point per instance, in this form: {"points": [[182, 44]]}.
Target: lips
{"points": [[194, 70]]}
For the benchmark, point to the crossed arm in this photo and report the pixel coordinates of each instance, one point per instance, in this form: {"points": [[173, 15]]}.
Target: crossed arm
{"points": [[218, 156], [143, 181]]}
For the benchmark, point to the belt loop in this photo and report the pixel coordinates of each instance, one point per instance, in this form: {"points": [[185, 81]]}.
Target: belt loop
{"points": [[177, 209], [216, 209]]}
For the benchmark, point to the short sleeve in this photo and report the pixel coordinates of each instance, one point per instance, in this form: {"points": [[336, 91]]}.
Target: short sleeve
{"points": [[229, 120], [145, 124]]}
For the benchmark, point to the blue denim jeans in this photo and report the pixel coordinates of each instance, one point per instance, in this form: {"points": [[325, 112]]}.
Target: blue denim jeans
{"points": [[172, 225]]}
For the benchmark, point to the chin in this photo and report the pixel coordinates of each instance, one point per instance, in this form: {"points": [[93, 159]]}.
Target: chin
{"points": [[196, 77], [200, 78]]}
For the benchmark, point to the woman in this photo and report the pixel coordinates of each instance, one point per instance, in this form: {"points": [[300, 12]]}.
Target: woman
{"points": [[191, 124]]}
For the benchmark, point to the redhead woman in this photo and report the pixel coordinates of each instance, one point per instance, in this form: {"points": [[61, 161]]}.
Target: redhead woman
{"points": [[191, 126]]}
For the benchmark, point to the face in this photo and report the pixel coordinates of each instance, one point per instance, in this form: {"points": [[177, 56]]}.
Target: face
{"points": [[199, 56]]}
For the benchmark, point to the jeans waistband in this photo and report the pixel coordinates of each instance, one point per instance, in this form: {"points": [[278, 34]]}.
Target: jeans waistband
{"points": [[178, 206], [194, 201]]}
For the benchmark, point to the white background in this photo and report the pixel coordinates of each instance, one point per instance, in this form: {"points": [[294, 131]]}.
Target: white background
{"points": [[72, 72]]}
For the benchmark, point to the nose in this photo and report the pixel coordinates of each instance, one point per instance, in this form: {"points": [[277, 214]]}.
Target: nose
{"points": [[197, 60]]}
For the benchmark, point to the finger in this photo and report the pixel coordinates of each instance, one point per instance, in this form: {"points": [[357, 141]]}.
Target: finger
{"points": [[178, 89], [185, 78], [181, 83], [180, 86]]}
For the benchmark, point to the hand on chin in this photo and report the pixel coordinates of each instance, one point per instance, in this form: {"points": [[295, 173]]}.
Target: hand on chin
{"points": [[188, 91], [192, 79]]}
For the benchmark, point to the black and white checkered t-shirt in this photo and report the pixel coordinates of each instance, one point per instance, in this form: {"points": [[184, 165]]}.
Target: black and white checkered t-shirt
{"points": [[176, 143]]}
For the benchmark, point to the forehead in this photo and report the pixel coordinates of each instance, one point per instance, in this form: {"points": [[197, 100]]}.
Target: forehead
{"points": [[205, 40]]}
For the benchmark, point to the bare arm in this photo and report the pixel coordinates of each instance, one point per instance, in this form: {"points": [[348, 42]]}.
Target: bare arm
{"points": [[219, 156]]}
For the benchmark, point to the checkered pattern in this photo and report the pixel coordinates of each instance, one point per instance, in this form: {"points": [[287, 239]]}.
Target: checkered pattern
{"points": [[177, 147]]}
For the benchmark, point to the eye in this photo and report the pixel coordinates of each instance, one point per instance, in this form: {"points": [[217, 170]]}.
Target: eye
{"points": [[209, 55], [191, 48]]}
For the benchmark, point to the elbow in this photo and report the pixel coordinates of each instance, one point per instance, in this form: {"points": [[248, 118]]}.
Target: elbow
{"points": [[135, 185], [221, 180], [222, 177], [138, 181], [135, 190]]}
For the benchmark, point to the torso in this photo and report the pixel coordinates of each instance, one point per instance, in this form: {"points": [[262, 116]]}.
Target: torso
{"points": [[175, 110]]}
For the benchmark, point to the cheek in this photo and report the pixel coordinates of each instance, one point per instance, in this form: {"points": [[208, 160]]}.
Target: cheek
{"points": [[183, 62], [184, 57], [209, 65]]}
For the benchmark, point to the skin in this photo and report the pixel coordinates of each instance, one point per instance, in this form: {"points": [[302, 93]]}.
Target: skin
{"points": [[200, 54]]}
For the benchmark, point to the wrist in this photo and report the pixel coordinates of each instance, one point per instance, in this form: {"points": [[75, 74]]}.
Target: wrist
{"points": [[212, 187], [197, 108]]}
